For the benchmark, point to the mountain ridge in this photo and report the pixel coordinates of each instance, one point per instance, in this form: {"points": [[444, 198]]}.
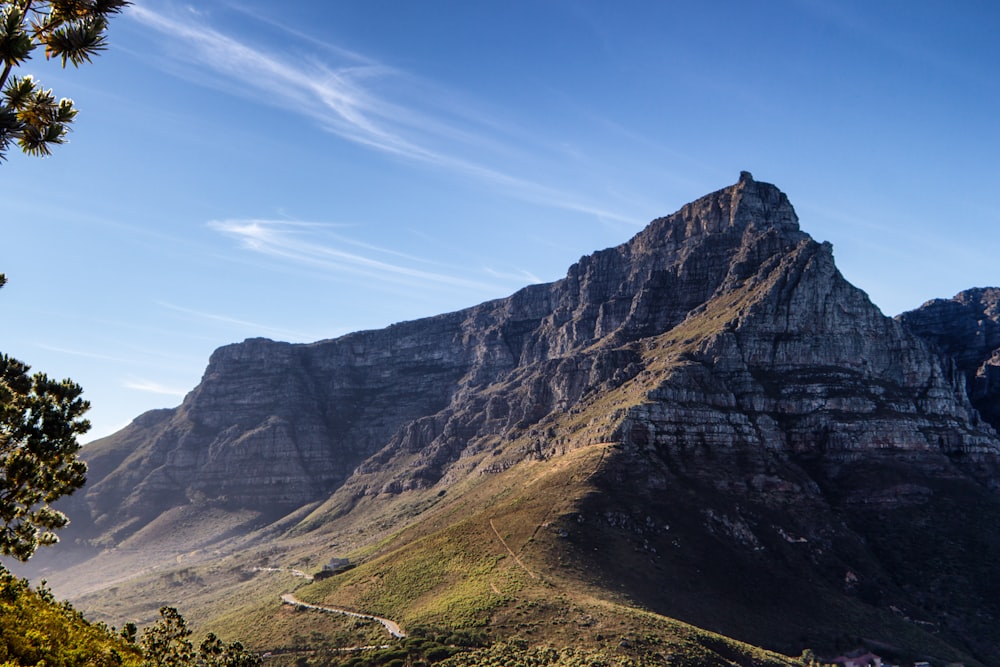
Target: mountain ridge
{"points": [[561, 316]]}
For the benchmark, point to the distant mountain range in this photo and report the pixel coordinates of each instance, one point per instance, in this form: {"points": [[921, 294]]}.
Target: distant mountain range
{"points": [[706, 423]]}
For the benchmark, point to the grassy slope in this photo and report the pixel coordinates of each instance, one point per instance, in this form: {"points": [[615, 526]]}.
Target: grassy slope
{"points": [[490, 558], [504, 567]]}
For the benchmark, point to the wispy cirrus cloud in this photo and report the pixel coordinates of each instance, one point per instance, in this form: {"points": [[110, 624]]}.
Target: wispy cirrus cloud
{"points": [[364, 102], [82, 353], [312, 244], [152, 387], [155, 358], [333, 96], [256, 327], [514, 276]]}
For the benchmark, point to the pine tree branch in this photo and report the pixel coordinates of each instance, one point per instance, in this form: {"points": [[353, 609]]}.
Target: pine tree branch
{"points": [[10, 66]]}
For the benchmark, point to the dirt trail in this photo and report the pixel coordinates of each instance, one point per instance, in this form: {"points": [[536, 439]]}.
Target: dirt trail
{"points": [[511, 551], [290, 570]]}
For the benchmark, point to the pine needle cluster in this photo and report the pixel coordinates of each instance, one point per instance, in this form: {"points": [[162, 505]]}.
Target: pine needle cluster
{"points": [[72, 31]]}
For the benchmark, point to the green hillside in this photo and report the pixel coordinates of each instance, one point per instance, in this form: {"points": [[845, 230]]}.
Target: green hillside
{"points": [[35, 629]]}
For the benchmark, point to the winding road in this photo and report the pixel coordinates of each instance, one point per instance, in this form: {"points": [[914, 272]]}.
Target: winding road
{"points": [[391, 626]]}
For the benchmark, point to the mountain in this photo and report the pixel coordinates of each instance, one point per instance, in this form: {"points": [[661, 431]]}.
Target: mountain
{"points": [[706, 423]]}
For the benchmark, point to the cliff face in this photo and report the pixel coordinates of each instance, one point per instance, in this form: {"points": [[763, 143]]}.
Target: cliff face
{"points": [[757, 403], [767, 327], [722, 329], [967, 329], [274, 426]]}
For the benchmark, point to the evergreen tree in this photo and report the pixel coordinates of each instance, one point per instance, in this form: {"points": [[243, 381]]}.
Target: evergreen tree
{"points": [[167, 643], [39, 421], [72, 31]]}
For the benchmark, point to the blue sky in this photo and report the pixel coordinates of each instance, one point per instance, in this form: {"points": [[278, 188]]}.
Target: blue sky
{"points": [[305, 169]]}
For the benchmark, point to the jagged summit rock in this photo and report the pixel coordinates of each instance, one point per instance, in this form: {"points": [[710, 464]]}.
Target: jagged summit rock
{"points": [[768, 438]]}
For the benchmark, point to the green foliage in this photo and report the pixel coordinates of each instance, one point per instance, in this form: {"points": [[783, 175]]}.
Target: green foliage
{"points": [[167, 643], [35, 630], [214, 653], [72, 31], [443, 579], [509, 654], [39, 421], [628, 652], [423, 646]]}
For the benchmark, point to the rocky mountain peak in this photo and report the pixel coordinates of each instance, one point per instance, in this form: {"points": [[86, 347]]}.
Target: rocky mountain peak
{"points": [[748, 206]]}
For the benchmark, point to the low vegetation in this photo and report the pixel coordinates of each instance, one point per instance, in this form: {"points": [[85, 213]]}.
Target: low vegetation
{"points": [[36, 629], [423, 647]]}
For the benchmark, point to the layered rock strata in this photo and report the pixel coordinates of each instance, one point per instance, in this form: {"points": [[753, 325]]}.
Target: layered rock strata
{"points": [[967, 329], [782, 354]]}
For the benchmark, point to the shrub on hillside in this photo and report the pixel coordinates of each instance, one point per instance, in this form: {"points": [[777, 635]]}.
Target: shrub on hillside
{"points": [[36, 629]]}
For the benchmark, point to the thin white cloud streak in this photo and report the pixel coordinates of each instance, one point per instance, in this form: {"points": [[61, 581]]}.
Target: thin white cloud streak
{"points": [[145, 358], [151, 387], [261, 18], [331, 97], [242, 324], [284, 240], [342, 101], [518, 276], [362, 244], [80, 353]]}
